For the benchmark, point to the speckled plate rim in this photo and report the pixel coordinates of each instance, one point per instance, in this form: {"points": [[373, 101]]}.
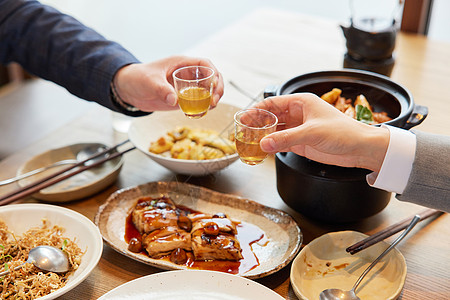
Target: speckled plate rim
{"points": [[281, 229], [49, 194]]}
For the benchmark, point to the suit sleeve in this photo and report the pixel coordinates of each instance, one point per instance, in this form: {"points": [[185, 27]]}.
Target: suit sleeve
{"points": [[57, 47], [429, 182]]}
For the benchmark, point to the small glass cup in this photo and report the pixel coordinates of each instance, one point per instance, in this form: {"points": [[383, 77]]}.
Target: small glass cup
{"points": [[120, 122], [194, 86], [251, 125]]}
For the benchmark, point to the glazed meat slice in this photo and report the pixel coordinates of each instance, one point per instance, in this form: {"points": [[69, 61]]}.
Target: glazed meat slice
{"points": [[214, 238], [149, 220], [150, 214], [222, 246], [163, 241], [223, 223]]}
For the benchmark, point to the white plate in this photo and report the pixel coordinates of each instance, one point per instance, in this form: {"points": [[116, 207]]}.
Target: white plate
{"points": [[282, 232], [21, 217], [148, 129], [79, 186], [324, 263], [191, 285]]}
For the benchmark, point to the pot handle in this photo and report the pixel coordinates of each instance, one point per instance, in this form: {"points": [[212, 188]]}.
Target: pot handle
{"points": [[418, 115], [270, 91]]}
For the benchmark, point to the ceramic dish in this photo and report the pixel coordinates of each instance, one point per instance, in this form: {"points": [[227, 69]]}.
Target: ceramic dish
{"points": [[191, 285], [282, 232], [145, 130], [324, 263], [79, 186], [77, 227]]}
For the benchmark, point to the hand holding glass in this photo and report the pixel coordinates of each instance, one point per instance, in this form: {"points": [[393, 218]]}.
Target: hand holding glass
{"points": [[251, 125], [194, 86]]}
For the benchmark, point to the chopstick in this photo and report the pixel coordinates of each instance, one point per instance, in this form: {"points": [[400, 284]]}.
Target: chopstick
{"points": [[389, 231], [55, 177]]}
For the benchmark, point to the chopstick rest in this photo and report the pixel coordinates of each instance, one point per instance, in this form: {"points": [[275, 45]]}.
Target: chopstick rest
{"points": [[389, 231], [62, 174]]}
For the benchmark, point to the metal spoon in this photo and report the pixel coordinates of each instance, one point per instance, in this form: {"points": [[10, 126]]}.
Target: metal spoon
{"points": [[338, 294], [81, 155], [47, 258]]}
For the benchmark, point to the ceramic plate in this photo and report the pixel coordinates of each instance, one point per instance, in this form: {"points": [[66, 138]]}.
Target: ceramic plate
{"points": [[145, 130], [324, 263], [282, 232], [79, 186], [77, 227], [192, 285]]}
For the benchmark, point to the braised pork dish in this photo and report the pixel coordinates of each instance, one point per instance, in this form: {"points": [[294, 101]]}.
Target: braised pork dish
{"points": [[182, 235], [359, 109]]}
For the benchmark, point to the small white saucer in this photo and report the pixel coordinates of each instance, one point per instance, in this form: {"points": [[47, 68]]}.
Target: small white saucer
{"points": [[324, 263]]}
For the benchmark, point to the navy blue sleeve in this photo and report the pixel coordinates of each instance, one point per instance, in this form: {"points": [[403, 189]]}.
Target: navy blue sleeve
{"points": [[56, 47]]}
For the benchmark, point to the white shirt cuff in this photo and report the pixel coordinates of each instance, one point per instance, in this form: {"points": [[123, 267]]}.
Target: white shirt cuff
{"points": [[397, 164]]}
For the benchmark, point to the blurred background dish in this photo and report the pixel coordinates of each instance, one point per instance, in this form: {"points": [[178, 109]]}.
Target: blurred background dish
{"points": [[145, 130], [324, 263], [77, 187], [77, 227]]}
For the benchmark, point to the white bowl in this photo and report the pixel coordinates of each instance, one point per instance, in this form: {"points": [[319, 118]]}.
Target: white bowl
{"points": [[145, 130], [324, 263], [21, 217]]}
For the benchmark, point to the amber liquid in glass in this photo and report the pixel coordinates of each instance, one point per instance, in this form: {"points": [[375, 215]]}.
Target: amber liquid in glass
{"points": [[194, 101], [249, 150]]}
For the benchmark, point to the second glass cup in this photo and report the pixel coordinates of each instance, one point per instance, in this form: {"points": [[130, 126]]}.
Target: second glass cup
{"points": [[251, 125], [194, 86]]}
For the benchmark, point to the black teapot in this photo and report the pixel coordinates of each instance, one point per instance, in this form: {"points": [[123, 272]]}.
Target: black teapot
{"points": [[370, 48], [370, 43]]}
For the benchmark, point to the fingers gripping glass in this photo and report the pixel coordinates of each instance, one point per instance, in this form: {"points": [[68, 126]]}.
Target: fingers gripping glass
{"points": [[251, 125], [194, 87]]}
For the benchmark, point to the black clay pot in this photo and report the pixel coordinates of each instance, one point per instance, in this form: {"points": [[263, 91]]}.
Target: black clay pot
{"points": [[334, 194]]}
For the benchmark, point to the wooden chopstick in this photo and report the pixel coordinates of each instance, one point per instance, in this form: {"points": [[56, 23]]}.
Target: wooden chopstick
{"points": [[389, 231], [59, 176]]}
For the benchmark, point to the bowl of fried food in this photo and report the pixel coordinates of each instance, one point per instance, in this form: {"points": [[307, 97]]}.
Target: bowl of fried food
{"points": [[186, 146]]}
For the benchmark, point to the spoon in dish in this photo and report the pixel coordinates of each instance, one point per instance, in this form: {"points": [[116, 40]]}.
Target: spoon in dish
{"points": [[338, 294], [47, 258], [81, 155]]}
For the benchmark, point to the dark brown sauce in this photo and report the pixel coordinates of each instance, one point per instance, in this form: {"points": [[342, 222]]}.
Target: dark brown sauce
{"points": [[130, 230], [247, 235]]}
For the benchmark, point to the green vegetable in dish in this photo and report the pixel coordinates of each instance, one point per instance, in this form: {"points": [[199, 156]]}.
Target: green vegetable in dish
{"points": [[363, 114]]}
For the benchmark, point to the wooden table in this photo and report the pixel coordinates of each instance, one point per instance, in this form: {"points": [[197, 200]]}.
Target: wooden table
{"points": [[265, 48]]}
